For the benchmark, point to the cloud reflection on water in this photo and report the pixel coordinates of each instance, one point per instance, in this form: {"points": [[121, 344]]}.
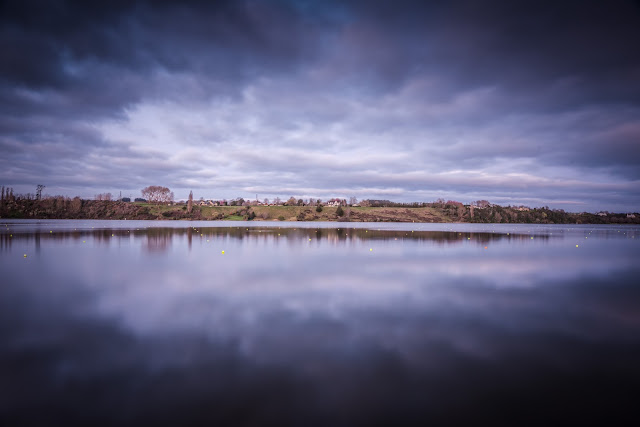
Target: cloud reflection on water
{"points": [[280, 329]]}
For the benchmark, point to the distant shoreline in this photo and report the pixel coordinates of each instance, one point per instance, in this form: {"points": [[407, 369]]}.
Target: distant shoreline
{"points": [[64, 208]]}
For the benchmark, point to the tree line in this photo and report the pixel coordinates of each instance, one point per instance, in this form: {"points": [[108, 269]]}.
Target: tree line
{"points": [[481, 211]]}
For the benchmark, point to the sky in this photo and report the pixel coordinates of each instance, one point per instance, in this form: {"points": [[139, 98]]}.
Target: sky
{"points": [[515, 102]]}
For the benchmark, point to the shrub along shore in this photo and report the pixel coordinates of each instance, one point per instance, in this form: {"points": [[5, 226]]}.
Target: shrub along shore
{"points": [[65, 208]]}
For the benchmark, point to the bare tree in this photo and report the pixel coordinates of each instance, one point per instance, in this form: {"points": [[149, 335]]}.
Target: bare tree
{"points": [[266, 201], [39, 189], [353, 200], [190, 202], [76, 204], [157, 194], [277, 200], [292, 201]]}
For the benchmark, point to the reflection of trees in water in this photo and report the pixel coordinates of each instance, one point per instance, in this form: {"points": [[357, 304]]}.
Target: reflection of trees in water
{"points": [[5, 242], [41, 236], [157, 242], [158, 239]]}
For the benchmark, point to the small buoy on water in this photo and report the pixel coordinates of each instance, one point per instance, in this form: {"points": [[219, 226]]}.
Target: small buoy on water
{"points": [[370, 249], [222, 252], [25, 255]]}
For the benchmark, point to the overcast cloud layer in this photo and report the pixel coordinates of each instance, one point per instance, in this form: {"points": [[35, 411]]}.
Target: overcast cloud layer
{"points": [[517, 102]]}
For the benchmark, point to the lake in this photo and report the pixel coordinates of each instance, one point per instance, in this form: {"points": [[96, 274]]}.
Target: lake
{"points": [[336, 324]]}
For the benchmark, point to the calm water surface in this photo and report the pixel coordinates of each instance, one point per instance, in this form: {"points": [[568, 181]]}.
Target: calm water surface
{"points": [[225, 323]]}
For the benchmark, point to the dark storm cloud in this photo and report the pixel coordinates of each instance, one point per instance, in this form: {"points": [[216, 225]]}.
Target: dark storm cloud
{"points": [[523, 45], [126, 93]]}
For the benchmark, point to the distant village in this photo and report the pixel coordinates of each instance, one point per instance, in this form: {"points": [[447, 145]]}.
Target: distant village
{"points": [[275, 202], [334, 202]]}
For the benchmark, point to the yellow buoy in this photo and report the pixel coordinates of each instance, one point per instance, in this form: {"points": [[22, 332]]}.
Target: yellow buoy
{"points": [[222, 252], [25, 255], [370, 249], [576, 246]]}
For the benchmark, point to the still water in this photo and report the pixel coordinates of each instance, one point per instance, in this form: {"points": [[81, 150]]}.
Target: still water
{"points": [[338, 324]]}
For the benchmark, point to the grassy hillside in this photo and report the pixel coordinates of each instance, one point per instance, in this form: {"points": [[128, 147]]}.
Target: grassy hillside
{"points": [[65, 208]]}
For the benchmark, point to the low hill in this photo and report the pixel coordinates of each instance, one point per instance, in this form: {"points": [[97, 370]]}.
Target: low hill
{"points": [[65, 208]]}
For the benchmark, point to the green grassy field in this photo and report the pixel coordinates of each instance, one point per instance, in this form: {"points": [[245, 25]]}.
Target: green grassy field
{"points": [[297, 213], [60, 208]]}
